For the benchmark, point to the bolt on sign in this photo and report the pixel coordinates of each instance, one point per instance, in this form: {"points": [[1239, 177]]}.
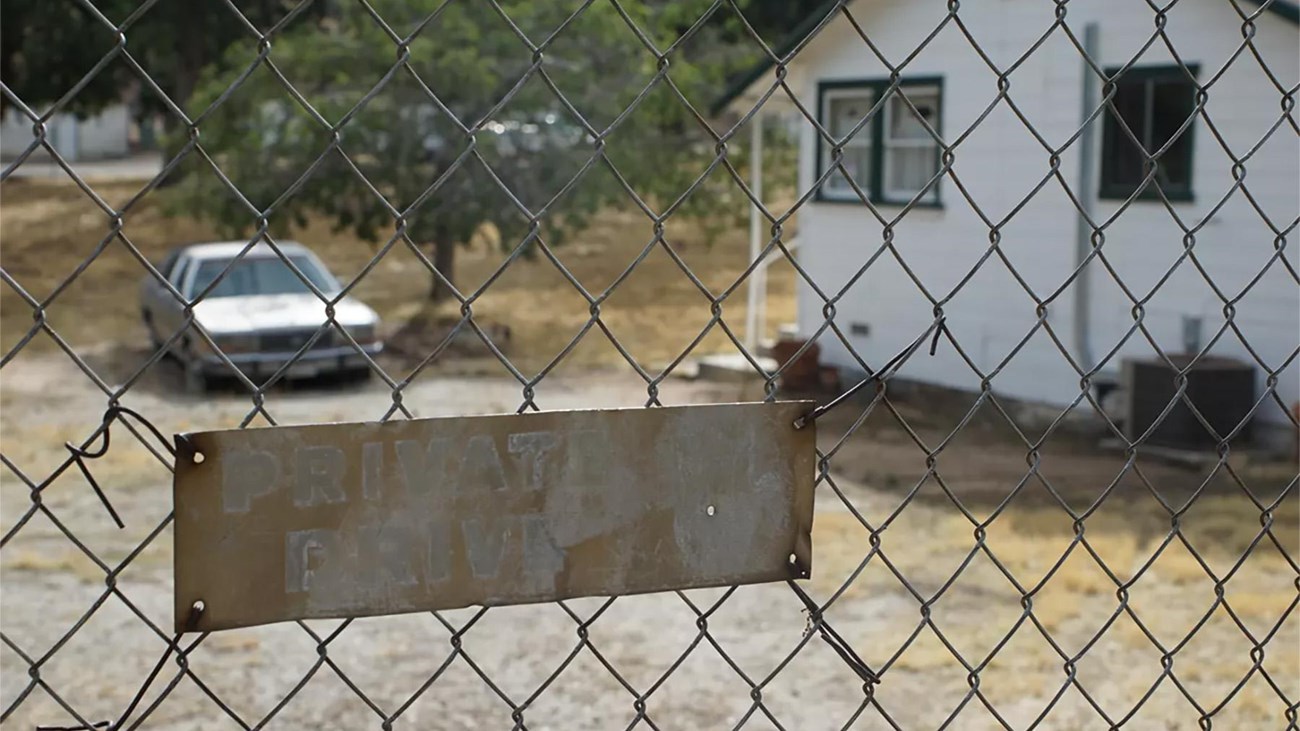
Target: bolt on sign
{"points": [[353, 520]]}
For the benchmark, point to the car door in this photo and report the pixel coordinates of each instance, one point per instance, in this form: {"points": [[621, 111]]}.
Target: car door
{"points": [[148, 296], [152, 291], [169, 313]]}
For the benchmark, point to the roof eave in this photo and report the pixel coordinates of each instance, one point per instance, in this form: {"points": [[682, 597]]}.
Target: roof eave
{"points": [[742, 83], [1282, 8]]}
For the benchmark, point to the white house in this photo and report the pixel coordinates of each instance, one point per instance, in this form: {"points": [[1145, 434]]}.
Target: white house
{"points": [[938, 253], [104, 135]]}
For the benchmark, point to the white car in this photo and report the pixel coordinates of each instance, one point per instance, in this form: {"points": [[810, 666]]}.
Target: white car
{"points": [[260, 314]]}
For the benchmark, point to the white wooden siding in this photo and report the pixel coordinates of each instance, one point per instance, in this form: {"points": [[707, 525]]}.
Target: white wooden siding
{"points": [[1000, 162]]}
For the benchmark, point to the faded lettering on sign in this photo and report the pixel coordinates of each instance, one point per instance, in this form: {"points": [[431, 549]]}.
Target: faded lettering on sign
{"points": [[318, 472], [352, 520]]}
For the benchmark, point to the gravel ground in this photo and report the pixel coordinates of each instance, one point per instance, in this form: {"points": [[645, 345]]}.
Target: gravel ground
{"points": [[536, 656]]}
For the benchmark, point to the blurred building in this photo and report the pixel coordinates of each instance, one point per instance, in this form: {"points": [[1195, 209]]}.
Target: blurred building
{"points": [[108, 134], [1006, 239]]}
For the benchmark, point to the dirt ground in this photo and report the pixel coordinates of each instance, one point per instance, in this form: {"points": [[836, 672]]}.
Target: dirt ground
{"points": [[48, 582], [1123, 619], [49, 228]]}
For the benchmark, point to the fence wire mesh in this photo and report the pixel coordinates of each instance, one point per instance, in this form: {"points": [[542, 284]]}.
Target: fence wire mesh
{"points": [[1075, 589]]}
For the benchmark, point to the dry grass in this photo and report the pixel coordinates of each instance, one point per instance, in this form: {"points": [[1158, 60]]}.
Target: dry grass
{"points": [[65, 561], [1072, 601], [48, 228]]}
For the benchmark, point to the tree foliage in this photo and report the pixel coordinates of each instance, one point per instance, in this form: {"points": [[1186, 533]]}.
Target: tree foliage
{"points": [[428, 124], [48, 46], [450, 140]]}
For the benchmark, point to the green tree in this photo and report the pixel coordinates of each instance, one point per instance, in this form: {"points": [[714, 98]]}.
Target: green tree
{"points": [[361, 136], [48, 46]]}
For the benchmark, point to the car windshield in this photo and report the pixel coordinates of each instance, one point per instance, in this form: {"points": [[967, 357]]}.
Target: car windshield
{"points": [[260, 275]]}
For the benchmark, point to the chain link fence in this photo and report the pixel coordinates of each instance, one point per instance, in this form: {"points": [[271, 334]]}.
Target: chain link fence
{"points": [[979, 561]]}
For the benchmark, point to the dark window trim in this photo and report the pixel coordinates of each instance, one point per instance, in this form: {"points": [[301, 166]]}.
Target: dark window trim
{"points": [[876, 128], [1106, 191]]}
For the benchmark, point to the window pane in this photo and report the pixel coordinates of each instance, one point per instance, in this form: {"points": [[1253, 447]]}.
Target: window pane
{"points": [[893, 151], [910, 168], [239, 281], [1154, 104], [1122, 167], [260, 275], [856, 162], [845, 112], [176, 274], [1171, 104], [904, 124]]}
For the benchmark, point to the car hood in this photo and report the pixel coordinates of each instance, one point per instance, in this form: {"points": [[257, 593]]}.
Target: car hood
{"points": [[277, 312]]}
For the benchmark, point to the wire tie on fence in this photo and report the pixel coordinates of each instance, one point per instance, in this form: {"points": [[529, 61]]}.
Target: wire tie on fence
{"points": [[81, 454], [78, 456], [832, 638], [939, 328]]}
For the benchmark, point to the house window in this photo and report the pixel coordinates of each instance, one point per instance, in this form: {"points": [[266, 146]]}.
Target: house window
{"points": [[911, 156], [891, 157], [1154, 103], [844, 109]]}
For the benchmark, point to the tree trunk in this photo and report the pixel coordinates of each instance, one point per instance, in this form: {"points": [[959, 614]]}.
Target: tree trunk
{"points": [[444, 259], [170, 139], [191, 54]]}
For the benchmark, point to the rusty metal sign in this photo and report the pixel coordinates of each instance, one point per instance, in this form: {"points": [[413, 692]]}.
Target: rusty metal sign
{"points": [[352, 520]]}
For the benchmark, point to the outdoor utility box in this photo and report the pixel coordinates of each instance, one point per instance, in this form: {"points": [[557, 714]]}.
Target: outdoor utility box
{"points": [[804, 374], [1221, 389]]}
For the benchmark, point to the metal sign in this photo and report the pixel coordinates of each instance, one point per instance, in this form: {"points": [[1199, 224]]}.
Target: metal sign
{"points": [[352, 520]]}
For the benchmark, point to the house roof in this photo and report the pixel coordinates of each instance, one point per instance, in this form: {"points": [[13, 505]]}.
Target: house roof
{"points": [[781, 50], [1287, 9]]}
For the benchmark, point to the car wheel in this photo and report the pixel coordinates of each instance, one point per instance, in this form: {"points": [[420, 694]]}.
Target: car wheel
{"points": [[196, 381]]}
